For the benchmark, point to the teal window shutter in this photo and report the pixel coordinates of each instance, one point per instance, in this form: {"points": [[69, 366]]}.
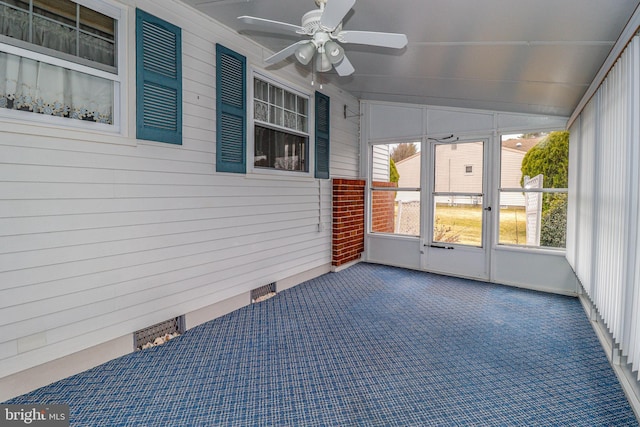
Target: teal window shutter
{"points": [[158, 79], [231, 111], [323, 113]]}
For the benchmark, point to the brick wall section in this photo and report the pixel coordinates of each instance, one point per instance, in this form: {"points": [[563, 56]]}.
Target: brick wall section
{"points": [[383, 208], [348, 220]]}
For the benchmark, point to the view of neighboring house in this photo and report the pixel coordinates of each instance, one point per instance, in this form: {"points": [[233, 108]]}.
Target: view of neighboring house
{"points": [[512, 153], [409, 177], [458, 166]]}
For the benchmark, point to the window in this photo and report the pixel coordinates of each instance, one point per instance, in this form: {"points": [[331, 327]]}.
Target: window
{"points": [[395, 188], [280, 122], [59, 58], [468, 169], [281, 129], [533, 189]]}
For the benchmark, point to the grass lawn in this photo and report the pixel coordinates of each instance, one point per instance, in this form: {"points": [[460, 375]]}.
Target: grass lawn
{"points": [[463, 224]]}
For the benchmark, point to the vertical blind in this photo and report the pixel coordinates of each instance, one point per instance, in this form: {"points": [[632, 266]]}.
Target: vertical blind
{"points": [[604, 205]]}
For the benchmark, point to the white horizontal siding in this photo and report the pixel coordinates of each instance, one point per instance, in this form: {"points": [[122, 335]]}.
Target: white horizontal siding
{"points": [[102, 235]]}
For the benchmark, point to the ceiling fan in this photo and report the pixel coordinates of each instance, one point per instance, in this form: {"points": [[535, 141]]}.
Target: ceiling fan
{"points": [[324, 26]]}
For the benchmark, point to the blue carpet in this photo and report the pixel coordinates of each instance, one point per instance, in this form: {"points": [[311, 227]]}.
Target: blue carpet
{"points": [[370, 346]]}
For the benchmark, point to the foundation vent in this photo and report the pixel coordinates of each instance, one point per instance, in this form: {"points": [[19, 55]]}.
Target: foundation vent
{"points": [[263, 292], [159, 333]]}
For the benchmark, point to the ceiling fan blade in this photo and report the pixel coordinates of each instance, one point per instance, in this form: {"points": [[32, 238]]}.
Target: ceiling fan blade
{"points": [[272, 25], [394, 40], [334, 12], [286, 52], [344, 67]]}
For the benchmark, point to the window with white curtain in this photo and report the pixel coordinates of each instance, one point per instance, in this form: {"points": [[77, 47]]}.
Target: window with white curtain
{"points": [[59, 58]]}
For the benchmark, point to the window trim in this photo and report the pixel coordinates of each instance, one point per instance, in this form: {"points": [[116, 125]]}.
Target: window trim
{"points": [[29, 51], [251, 123]]}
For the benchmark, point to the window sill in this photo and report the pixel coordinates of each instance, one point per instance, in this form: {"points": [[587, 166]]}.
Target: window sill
{"points": [[391, 235], [531, 249], [15, 122], [278, 173]]}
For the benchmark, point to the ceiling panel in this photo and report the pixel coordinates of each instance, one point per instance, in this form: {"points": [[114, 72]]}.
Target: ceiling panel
{"points": [[513, 55]]}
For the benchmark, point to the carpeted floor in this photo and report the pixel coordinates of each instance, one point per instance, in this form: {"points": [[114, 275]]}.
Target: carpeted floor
{"points": [[369, 346]]}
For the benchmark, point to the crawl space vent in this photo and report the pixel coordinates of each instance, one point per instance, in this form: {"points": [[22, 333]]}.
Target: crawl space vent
{"points": [[158, 333], [263, 292]]}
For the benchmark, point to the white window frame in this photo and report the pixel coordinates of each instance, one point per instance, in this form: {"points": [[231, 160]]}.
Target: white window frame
{"points": [[251, 123], [119, 14]]}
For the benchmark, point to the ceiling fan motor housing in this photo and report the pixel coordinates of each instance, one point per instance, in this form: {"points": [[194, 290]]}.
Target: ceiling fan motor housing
{"points": [[311, 21]]}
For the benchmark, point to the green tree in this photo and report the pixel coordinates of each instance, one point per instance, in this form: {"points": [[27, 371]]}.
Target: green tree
{"points": [[549, 157], [404, 150], [394, 176]]}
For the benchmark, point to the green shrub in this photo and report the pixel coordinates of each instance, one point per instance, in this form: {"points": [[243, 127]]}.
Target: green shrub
{"points": [[553, 227]]}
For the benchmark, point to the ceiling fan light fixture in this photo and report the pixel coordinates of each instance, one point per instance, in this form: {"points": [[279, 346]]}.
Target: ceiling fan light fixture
{"points": [[305, 52], [334, 51], [323, 64], [323, 29]]}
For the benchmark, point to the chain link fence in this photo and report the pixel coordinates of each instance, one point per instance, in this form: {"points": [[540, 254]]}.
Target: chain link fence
{"points": [[407, 219]]}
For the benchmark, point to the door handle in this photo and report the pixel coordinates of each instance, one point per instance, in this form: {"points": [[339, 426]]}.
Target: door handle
{"points": [[488, 209]]}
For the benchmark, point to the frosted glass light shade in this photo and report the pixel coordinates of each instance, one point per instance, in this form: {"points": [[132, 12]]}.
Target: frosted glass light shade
{"points": [[305, 52], [334, 51], [323, 64]]}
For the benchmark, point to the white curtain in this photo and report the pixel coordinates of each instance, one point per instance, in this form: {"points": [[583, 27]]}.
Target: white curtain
{"points": [[42, 88]]}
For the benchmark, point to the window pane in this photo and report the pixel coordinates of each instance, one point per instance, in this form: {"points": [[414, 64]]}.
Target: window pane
{"points": [[276, 116], [301, 123], [458, 219], [279, 150], [396, 165], [275, 96], [533, 219], [290, 120], [513, 220], [54, 35], [63, 26], [534, 161], [14, 21], [302, 105], [553, 230], [457, 171], [395, 212], [538, 154], [38, 87], [97, 39], [289, 101], [261, 111], [261, 90]]}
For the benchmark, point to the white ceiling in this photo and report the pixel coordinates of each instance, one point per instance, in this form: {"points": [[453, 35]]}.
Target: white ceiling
{"points": [[530, 56]]}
